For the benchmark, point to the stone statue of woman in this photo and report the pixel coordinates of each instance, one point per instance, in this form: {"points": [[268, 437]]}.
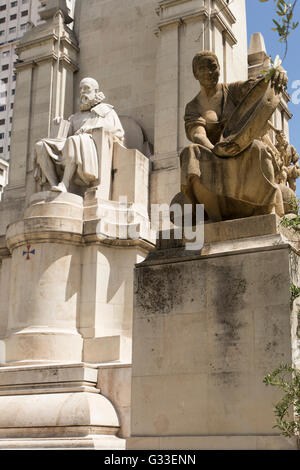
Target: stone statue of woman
{"points": [[228, 168]]}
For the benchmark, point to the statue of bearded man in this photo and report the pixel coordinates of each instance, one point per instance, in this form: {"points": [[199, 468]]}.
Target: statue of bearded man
{"points": [[76, 155]]}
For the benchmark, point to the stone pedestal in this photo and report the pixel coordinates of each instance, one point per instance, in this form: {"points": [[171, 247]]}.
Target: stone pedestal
{"points": [[208, 327], [55, 407], [45, 284], [66, 284]]}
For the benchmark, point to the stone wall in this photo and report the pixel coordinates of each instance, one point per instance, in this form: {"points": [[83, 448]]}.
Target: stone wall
{"points": [[118, 47]]}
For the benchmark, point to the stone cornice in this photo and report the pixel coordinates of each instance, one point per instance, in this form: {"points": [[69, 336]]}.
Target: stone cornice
{"points": [[193, 15], [4, 251], [47, 231], [168, 3], [49, 37], [285, 109], [52, 56], [220, 23], [224, 8], [175, 21]]}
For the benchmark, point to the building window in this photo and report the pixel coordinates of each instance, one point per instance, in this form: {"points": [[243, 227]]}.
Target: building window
{"points": [[1, 171], [4, 80], [2, 136], [13, 92], [3, 94], [12, 106], [5, 54], [2, 20], [2, 33], [3, 108], [12, 30], [10, 120], [2, 122], [2, 7], [13, 17], [24, 13], [14, 78], [5, 67], [23, 26], [1, 149], [13, 4], [24, 1]]}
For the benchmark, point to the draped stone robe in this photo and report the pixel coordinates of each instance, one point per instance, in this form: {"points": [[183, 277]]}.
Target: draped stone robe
{"points": [[243, 182], [82, 146]]}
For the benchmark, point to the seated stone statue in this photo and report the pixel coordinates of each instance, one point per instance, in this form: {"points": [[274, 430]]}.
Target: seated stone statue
{"points": [[229, 168], [76, 155]]}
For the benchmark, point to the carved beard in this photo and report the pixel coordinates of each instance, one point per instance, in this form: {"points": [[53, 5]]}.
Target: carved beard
{"points": [[88, 101]]}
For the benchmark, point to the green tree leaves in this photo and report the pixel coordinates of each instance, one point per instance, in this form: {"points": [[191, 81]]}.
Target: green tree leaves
{"points": [[288, 380], [284, 24]]}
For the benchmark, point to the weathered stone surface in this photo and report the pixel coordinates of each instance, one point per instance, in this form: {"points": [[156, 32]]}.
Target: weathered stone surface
{"points": [[206, 332], [55, 406]]}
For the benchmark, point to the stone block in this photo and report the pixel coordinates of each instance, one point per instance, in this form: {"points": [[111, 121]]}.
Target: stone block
{"points": [[207, 329], [55, 406], [104, 349]]}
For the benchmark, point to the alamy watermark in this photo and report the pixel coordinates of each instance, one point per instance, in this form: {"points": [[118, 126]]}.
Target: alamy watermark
{"points": [[125, 221]]}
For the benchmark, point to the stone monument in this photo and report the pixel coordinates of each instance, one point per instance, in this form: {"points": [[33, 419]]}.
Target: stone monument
{"points": [[67, 272], [74, 222], [76, 153], [209, 324], [229, 168]]}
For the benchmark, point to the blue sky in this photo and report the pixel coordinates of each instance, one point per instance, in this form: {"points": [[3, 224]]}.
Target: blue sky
{"points": [[259, 19]]}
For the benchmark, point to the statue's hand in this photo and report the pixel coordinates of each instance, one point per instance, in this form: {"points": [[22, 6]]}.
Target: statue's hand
{"points": [[84, 130], [227, 149], [279, 80]]}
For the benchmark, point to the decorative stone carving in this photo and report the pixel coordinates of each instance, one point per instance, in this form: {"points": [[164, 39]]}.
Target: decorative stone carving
{"points": [[286, 168], [73, 154], [229, 168]]}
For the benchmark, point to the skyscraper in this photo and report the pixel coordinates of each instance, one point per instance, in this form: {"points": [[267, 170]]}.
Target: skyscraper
{"points": [[15, 18]]}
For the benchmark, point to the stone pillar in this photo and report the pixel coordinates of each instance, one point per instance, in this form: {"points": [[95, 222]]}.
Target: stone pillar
{"points": [[208, 327], [110, 256], [185, 27], [45, 281]]}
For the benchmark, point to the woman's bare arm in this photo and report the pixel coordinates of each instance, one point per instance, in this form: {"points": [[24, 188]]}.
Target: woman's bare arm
{"points": [[198, 136]]}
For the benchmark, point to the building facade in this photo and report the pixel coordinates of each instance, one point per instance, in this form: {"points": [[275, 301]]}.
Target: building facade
{"points": [[16, 17]]}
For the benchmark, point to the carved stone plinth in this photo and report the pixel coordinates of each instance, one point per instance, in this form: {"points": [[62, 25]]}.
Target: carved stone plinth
{"points": [[46, 263], [55, 407], [65, 313], [208, 327]]}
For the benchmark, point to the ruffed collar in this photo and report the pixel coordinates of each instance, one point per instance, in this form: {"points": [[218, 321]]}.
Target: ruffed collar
{"points": [[102, 109]]}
